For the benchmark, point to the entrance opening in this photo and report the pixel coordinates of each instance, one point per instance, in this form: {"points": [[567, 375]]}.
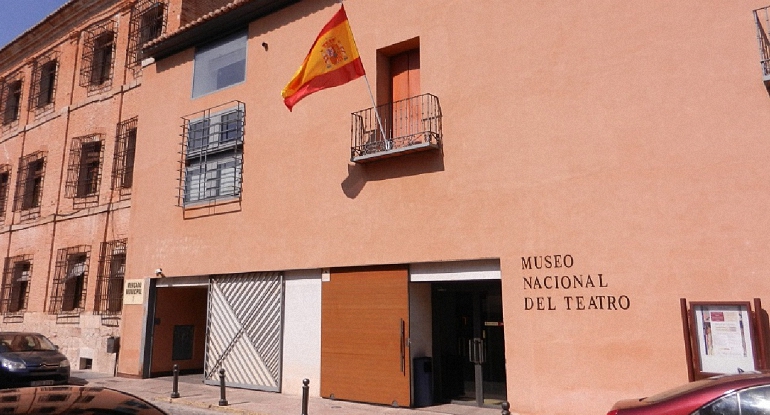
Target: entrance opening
{"points": [[468, 342], [178, 332]]}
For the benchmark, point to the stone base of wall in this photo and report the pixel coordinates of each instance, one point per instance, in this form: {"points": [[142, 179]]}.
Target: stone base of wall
{"points": [[80, 337]]}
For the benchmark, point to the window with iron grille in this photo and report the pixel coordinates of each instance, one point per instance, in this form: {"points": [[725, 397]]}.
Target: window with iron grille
{"points": [[17, 273], [212, 154], [109, 283], [148, 22], [44, 73], [29, 184], [10, 98], [98, 56], [84, 174], [68, 293], [123, 162], [5, 178]]}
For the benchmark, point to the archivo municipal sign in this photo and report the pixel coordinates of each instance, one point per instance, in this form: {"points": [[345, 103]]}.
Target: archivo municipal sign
{"points": [[133, 292]]}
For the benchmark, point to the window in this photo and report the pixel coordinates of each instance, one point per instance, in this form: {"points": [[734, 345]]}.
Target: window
{"points": [[29, 184], [220, 64], [17, 273], [44, 73], [70, 280], [109, 283], [98, 55], [123, 163], [5, 178], [751, 401], [84, 174], [213, 155], [148, 22], [10, 98]]}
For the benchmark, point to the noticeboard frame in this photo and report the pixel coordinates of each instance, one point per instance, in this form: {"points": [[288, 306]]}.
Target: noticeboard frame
{"points": [[721, 337]]}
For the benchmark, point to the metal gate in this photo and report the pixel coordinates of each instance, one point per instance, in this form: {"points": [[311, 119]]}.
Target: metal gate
{"points": [[244, 330]]}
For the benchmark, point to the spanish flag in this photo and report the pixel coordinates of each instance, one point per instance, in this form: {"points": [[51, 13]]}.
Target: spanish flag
{"points": [[332, 61]]}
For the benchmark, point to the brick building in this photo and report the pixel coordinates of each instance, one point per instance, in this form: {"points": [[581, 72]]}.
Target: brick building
{"points": [[69, 103]]}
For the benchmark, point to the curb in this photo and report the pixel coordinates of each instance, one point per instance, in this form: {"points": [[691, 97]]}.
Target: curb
{"points": [[204, 405]]}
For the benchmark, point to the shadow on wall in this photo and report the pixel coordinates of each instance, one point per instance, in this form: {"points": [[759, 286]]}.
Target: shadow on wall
{"points": [[390, 168]]}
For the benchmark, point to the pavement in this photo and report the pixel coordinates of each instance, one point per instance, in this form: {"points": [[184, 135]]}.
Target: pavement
{"points": [[194, 393]]}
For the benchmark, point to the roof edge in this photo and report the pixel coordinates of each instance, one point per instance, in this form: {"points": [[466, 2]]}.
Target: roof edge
{"points": [[218, 23]]}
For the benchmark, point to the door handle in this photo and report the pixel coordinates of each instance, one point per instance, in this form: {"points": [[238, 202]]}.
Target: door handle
{"points": [[403, 347]]}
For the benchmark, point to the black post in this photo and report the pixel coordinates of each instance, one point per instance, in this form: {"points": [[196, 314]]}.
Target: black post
{"points": [[222, 397], [305, 389], [175, 387], [506, 406]]}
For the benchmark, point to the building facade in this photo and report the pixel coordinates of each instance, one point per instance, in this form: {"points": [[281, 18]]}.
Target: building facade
{"points": [[69, 103], [555, 205]]}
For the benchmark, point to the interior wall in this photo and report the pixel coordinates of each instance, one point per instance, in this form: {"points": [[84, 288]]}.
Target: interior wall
{"points": [[420, 320], [178, 306]]}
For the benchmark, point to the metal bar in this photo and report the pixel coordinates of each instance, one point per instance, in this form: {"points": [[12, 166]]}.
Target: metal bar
{"points": [[403, 348]]}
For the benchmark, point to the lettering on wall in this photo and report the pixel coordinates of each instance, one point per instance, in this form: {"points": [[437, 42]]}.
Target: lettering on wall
{"points": [[558, 287], [133, 292]]}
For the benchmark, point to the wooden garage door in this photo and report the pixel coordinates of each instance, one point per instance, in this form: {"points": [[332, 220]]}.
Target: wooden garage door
{"points": [[365, 327]]}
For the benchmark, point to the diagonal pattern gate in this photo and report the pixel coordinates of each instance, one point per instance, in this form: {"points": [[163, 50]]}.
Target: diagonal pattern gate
{"points": [[244, 330]]}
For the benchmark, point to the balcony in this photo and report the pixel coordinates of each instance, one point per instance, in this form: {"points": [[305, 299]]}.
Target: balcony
{"points": [[397, 128], [762, 20]]}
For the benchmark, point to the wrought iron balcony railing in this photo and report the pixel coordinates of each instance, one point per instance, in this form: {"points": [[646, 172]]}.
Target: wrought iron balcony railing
{"points": [[406, 126], [762, 20]]}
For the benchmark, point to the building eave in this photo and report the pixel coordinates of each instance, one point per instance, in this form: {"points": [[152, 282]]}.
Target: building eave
{"points": [[227, 19]]}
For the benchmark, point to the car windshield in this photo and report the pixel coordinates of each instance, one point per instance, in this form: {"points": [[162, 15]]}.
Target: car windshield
{"points": [[681, 390], [24, 343]]}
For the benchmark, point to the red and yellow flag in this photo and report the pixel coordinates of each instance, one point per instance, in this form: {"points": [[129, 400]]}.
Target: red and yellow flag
{"points": [[332, 61]]}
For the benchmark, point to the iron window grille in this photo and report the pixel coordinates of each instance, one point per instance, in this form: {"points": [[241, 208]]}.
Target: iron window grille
{"points": [[29, 185], [98, 56], [44, 73], [762, 21], [212, 155], [70, 280], [404, 126], [10, 98], [123, 161], [84, 173], [148, 22], [109, 280], [17, 273], [5, 179]]}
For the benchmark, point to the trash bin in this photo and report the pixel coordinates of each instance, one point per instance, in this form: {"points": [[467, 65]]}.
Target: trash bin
{"points": [[422, 372]]}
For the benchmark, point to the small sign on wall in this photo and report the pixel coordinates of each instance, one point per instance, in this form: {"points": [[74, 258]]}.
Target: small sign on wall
{"points": [[723, 337], [133, 292]]}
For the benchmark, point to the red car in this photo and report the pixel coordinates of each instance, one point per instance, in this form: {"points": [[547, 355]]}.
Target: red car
{"points": [[741, 394]]}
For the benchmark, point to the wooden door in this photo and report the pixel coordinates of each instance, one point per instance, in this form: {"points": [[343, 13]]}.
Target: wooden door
{"points": [[365, 328], [405, 84]]}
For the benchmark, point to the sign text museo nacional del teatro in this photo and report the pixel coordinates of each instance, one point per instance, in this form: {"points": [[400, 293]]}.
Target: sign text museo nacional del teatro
{"points": [[552, 285]]}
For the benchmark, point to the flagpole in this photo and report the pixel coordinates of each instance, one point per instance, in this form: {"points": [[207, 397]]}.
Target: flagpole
{"points": [[368, 86], [376, 113]]}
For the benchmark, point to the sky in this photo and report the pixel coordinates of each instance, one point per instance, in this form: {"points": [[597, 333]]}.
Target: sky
{"points": [[16, 16]]}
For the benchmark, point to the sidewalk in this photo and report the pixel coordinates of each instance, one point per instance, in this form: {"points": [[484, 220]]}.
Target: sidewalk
{"points": [[194, 393]]}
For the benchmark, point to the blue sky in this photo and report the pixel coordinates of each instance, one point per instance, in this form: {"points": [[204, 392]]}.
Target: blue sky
{"points": [[16, 16]]}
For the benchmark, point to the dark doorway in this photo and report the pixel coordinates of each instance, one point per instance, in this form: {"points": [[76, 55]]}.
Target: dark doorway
{"points": [[178, 330], [468, 342]]}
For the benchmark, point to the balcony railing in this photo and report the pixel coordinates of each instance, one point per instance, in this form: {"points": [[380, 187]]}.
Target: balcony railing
{"points": [[406, 126], [762, 19]]}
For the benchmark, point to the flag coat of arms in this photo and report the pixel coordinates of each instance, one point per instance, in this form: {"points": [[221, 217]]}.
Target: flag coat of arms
{"points": [[332, 61]]}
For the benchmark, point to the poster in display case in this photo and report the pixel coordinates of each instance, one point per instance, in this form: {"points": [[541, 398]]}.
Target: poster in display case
{"points": [[722, 338]]}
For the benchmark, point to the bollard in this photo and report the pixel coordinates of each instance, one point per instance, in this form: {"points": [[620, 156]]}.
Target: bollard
{"points": [[305, 389], [222, 398], [175, 384], [506, 406]]}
